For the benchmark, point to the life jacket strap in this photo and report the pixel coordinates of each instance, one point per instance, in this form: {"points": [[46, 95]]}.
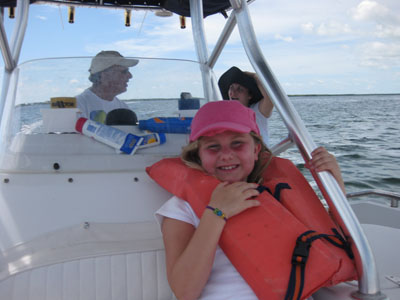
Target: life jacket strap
{"points": [[300, 255], [302, 249], [278, 188]]}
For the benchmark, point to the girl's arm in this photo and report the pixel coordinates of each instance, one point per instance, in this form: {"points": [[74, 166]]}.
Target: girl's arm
{"points": [[266, 104], [189, 251], [322, 160]]}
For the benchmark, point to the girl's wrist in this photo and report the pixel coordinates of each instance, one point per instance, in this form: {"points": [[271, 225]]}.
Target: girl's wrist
{"points": [[217, 212]]}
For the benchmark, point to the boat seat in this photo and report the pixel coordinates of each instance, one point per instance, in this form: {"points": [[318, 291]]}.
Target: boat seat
{"points": [[92, 262], [113, 277]]}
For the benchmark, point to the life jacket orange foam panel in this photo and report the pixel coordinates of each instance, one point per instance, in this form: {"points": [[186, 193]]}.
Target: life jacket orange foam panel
{"points": [[260, 241]]}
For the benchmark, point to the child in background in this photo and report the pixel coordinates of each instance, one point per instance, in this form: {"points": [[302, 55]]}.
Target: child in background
{"points": [[225, 143], [246, 88]]}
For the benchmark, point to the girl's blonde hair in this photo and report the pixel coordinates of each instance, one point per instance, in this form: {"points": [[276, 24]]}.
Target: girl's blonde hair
{"points": [[190, 156]]}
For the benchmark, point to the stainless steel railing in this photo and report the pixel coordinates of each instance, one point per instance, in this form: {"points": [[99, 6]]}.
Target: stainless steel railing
{"points": [[393, 197]]}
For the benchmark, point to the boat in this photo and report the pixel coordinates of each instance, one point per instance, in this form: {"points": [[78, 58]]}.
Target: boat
{"points": [[77, 218]]}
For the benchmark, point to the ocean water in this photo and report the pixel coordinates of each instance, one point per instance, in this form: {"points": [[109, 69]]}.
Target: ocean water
{"points": [[362, 131]]}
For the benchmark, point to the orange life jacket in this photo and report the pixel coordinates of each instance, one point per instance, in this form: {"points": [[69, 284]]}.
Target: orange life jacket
{"points": [[259, 242]]}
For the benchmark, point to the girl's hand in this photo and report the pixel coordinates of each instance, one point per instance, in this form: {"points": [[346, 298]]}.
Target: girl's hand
{"points": [[234, 198], [322, 160], [251, 74], [266, 106]]}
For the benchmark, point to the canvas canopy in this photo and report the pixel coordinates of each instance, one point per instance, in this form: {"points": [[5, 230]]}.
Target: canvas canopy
{"points": [[180, 7]]}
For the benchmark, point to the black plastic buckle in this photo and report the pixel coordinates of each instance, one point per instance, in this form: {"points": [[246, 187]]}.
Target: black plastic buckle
{"points": [[302, 250]]}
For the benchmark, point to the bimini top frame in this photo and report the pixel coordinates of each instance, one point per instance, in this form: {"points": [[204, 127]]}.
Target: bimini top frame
{"points": [[365, 263]]}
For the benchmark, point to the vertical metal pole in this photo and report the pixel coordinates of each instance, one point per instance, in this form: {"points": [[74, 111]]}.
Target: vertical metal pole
{"points": [[9, 64], [365, 262], [223, 38], [196, 14], [4, 46], [15, 48], [19, 31]]}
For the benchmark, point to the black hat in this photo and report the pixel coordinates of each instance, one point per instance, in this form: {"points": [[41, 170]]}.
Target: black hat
{"points": [[235, 75], [121, 116]]}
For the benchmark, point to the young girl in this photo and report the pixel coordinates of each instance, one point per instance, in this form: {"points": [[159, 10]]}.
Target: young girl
{"points": [[246, 88], [225, 143]]}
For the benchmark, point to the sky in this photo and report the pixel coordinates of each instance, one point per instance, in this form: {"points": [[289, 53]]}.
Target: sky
{"points": [[312, 47]]}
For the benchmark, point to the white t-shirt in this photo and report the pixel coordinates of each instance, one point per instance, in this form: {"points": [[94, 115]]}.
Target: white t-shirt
{"points": [[224, 282], [262, 122], [95, 108]]}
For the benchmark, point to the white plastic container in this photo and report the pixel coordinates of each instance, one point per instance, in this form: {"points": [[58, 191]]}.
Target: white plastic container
{"points": [[59, 120], [113, 137]]}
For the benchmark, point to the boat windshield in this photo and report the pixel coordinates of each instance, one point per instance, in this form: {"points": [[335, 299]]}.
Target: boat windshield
{"points": [[39, 109]]}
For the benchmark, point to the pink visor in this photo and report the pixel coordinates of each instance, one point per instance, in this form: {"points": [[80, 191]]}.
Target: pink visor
{"points": [[219, 116]]}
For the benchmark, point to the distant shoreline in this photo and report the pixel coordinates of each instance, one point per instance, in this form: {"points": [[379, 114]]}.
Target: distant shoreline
{"points": [[292, 96]]}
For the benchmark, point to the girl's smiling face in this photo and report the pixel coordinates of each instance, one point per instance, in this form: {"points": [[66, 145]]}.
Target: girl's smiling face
{"points": [[229, 156]]}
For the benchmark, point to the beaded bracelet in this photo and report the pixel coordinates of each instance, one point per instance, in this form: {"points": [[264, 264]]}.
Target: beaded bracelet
{"points": [[218, 212]]}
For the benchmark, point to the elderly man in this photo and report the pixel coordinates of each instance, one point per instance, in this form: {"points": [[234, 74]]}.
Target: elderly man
{"points": [[109, 74]]}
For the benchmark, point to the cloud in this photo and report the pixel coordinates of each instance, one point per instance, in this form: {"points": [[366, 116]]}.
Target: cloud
{"points": [[43, 18], [387, 21], [333, 28], [307, 27], [74, 81], [284, 38], [157, 37], [370, 10], [387, 31], [380, 55], [381, 44]]}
